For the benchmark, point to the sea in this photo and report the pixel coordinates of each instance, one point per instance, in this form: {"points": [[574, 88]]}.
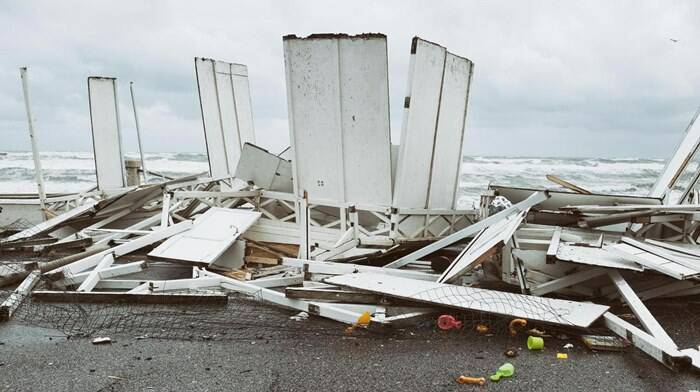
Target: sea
{"points": [[66, 172]]}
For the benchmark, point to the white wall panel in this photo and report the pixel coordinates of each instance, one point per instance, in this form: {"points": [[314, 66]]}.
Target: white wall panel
{"points": [[224, 97], [433, 126], [337, 90], [447, 154], [106, 133]]}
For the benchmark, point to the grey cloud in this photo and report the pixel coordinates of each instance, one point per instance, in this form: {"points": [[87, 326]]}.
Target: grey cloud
{"points": [[552, 78]]}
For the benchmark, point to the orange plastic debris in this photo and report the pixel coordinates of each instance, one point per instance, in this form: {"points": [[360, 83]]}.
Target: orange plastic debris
{"points": [[519, 323], [471, 380]]}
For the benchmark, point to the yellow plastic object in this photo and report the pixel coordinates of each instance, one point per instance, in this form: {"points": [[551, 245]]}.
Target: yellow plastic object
{"points": [[562, 356], [364, 319], [471, 380]]}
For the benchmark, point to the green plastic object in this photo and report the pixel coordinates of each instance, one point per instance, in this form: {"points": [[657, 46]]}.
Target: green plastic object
{"points": [[535, 343], [506, 370]]}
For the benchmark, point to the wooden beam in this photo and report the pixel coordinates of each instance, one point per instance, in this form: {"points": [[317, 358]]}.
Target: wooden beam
{"points": [[121, 298]]}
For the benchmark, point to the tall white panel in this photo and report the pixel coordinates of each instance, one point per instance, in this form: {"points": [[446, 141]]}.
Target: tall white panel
{"points": [[106, 134], [449, 136], [338, 97], [224, 97], [432, 131]]}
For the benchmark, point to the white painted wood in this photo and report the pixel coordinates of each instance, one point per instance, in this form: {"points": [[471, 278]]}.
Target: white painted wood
{"points": [[449, 135], [432, 135], [50, 224], [120, 250], [94, 275], [38, 173], [461, 297], [421, 106], [567, 281], [106, 273], [11, 303], [331, 268], [211, 234], [601, 257], [654, 262], [495, 235], [337, 92], [643, 315], [106, 133], [265, 170], [534, 199], [675, 166], [224, 96]]}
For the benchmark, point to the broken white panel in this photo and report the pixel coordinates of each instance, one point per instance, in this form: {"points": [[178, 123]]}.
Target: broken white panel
{"points": [[679, 161], [106, 132], [338, 98], [495, 235], [468, 298], [656, 262], [227, 115], [52, 223], [211, 234], [432, 134], [265, 170], [601, 257]]}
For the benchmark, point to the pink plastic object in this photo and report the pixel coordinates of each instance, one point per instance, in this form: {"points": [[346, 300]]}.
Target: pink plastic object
{"points": [[447, 322]]}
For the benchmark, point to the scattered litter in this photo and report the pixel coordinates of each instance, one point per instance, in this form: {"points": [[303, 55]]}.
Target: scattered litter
{"points": [[506, 370], [516, 324], [471, 380], [605, 343], [481, 328], [301, 316], [535, 343], [511, 352], [562, 356], [446, 322], [568, 346], [102, 340]]}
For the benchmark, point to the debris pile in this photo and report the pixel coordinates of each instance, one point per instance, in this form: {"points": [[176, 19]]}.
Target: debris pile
{"points": [[347, 227]]}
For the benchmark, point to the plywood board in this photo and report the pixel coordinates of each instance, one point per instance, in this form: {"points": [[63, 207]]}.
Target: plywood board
{"points": [[432, 133], [210, 236], [655, 262], [224, 97], [337, 93], [542, 309], [106, 132]]}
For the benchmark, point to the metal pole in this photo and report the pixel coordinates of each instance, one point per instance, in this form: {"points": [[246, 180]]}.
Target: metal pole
{"points": [[138, 133], [32, 137]]}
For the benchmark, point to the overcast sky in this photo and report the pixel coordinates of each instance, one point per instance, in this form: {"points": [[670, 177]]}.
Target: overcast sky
{"points": [[558, 78]]}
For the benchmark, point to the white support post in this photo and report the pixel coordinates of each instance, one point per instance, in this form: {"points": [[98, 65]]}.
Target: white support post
{"points": [[641, 311], [662, 352], [138, 133], [106, 273], [165, 213], [303, 214], [32, 136]]}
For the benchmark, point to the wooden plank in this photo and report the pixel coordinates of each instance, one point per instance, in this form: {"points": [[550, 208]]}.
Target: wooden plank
{"points": [[8, 307], [601, 257], [554, 245], [641, 311], [94, 275], [136, 298], [542, 309], [655, 262], [476, 252], [332, 295], [52, 223]]}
